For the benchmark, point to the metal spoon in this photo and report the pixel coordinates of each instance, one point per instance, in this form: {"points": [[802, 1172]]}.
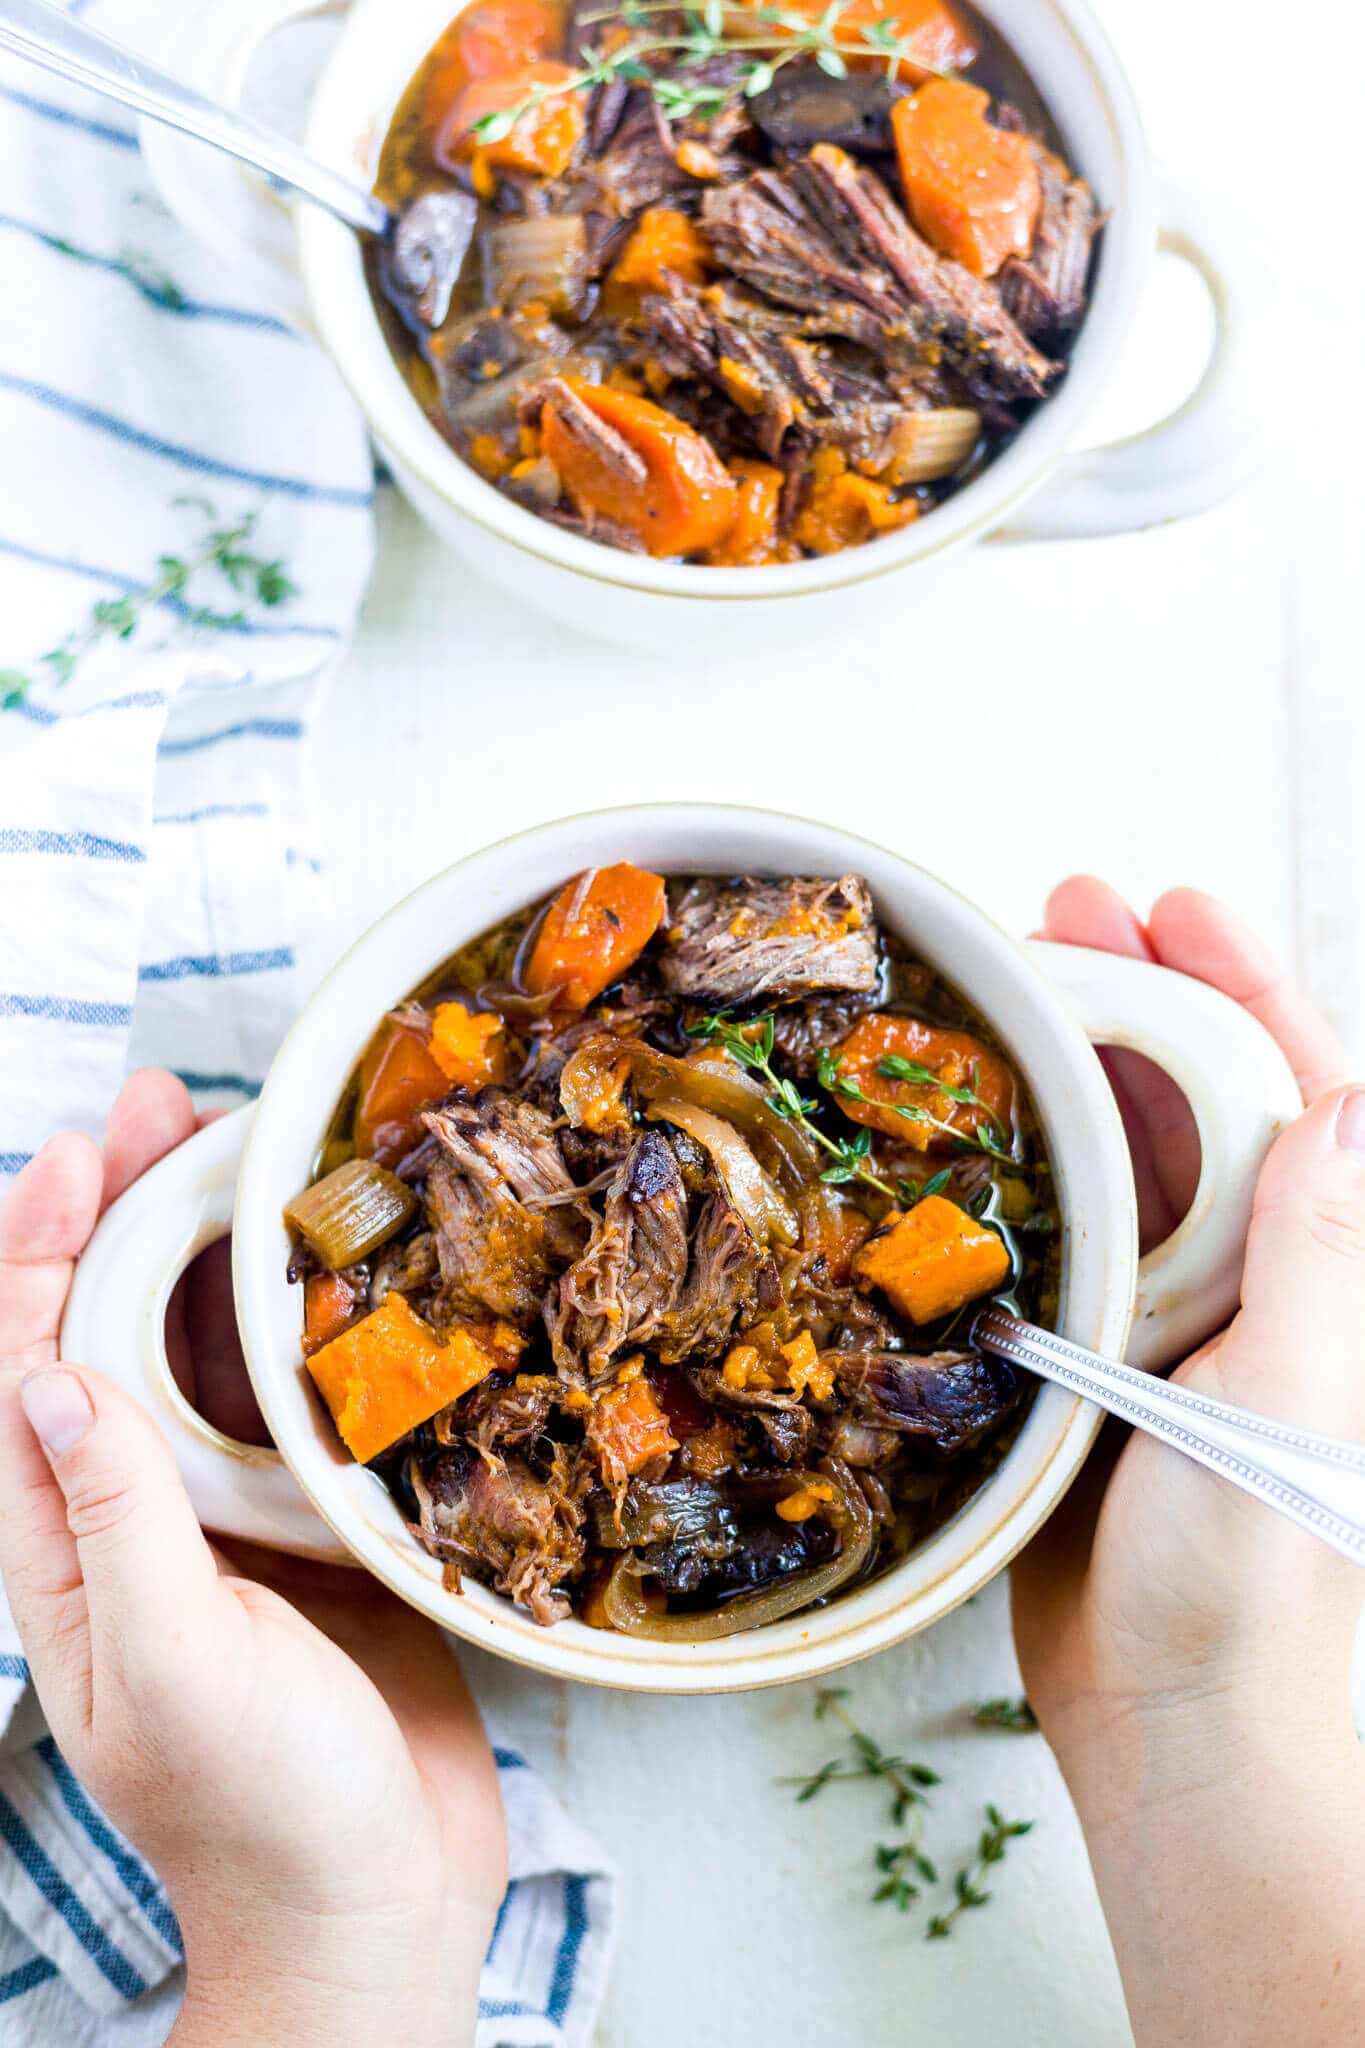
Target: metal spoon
{"points": [[1316, 1481], [425, 245]]}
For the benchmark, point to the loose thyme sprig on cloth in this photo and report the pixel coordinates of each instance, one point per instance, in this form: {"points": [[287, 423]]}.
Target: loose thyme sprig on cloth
{"points": [[771, 37], [1016, 1716], [904, 1868], [221, 548]]}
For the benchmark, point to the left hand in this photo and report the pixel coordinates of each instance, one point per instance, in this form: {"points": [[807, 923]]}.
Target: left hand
{"points": [[292, 1747]]}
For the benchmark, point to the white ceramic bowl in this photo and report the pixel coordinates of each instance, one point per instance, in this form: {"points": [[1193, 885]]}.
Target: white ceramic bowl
{"points": [[1047, 1003], [1185, 463]]}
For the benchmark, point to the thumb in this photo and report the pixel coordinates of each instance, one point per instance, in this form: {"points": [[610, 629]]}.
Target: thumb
{"points": [[105, 1565], [1295, 1351]]}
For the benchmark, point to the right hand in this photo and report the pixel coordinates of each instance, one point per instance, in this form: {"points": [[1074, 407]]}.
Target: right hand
{"points": [[293, 1748], [1158, 1590]]}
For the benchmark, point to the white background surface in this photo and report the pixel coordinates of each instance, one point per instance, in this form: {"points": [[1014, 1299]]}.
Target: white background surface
{"points": [[1177, 706]]}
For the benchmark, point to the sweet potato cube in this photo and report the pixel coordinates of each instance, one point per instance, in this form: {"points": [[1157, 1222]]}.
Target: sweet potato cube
{"points": [[973, 190], [629, 1429], [468, 1045], [390, 1371], [931, 1259]]}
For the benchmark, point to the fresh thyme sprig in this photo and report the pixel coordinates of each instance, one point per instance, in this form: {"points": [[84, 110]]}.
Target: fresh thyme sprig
{"points": [[221, 548], [967, 1885], [985, 1137], [850, 1155], [1015, 1715], [772, 37], [904, 1868]]}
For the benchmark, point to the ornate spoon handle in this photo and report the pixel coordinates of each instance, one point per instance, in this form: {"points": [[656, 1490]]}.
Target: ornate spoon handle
{"points": [[46, 36], [1316, 1481]]}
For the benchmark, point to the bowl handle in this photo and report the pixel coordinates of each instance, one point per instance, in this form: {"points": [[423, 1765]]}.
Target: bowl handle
{"points": [[1242, 1092], [115, 1321], [1212, 444], [232, 208]]}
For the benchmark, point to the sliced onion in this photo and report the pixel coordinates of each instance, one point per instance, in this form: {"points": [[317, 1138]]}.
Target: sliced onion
{"points": [[713, 1083], [544, 256], [754, 1193], [628, 1611]]}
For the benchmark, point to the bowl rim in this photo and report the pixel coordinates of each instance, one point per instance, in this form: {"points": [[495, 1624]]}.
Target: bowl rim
{"points": [[1058, 1431], [344, 316]]}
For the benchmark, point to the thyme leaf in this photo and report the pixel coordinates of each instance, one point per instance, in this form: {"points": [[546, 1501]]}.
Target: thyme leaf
{"points": [[904, 1868], [751, 1044], [776, 36], [1015, 1715], [221, 549]]}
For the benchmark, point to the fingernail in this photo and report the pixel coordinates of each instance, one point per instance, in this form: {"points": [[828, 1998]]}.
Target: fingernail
{"points": [[1351, 1121], [58, 1408]]}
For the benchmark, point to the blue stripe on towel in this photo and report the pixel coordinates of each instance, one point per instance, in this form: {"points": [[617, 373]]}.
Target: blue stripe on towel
{"points": [[66, 565], [237, 1084], [566, 1962], [66, 1010], [12, 1666], [260, 728], [179, 305], [122, 138], [48, 1880], [37, 1970], [210, 811], [186, 458], [136, 1877], [13, 1162], [509, 1760], [43, 714], [194, 966], [84, 845]]}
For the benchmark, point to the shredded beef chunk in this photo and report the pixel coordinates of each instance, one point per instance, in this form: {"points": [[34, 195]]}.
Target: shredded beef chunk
{"points": [[523, 1535], [619, 1293], [951, 1397], [498, 1416], [497, 1198], [1044, 292], [722, 1279], [734, 942]]}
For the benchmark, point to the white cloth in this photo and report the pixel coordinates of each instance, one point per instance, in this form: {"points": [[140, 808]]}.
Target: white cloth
{"points": [[154, 870]]}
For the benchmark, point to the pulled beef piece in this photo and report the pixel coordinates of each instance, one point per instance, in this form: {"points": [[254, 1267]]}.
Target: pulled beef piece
{"points": [[410, 1265], [826, 232], [497, 1415], [780, 383], [522, 1535], [502, 1204], [1044, 292], [839, 1317], [620, 1291], [737, 942], [802, 1031], [951, 1397], [713, 1386], [722, 1276], [788, 1432]]}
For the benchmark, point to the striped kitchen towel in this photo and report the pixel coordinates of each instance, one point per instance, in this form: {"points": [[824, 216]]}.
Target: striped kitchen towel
{"points": [[185, 536]]}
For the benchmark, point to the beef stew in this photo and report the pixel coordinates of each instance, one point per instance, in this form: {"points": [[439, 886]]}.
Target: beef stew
{"points": [[734, 285], [643, 1249]]}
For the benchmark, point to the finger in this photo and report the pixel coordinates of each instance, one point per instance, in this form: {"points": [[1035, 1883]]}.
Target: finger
{"points": [[1162, 1137], [103, 1559], [45, 1224], [1200, 936], [152, 1114], [1294, 1350], [1084, 911]]}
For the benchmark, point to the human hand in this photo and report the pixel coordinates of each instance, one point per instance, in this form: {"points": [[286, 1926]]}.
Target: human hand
{"points": [[293, 1748], [1186, 1650]]}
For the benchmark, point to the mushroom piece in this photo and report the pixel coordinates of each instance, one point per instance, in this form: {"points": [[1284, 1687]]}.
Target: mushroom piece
{"points": [[804, 105], [428, 247]]}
